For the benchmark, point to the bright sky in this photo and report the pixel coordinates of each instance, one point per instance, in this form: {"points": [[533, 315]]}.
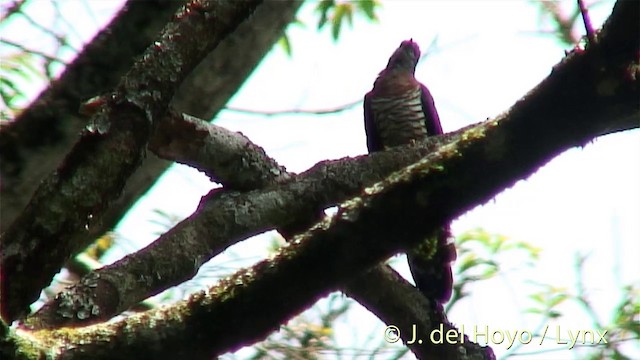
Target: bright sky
{"points": [[585, 201]]}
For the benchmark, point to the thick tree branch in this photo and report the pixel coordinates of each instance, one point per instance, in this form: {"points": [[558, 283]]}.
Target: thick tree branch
{"points": [[313, 264], [390, 216], [397, 303], [221, 73], [214, 150], [328, 182], [222, 219], [34, 143], [27, 158], [468, 170], [94, 172], [208, 88], [589, 94], [227, 157]]}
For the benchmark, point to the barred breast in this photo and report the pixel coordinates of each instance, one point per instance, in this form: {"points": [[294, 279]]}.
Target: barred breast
{"points": [[399, 119]]}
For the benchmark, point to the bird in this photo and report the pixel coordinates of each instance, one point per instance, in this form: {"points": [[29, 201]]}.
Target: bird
{"points": [[400, 110]]}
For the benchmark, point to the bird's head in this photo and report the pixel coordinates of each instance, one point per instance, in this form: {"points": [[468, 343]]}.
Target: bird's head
{"points": [[405, 57]]}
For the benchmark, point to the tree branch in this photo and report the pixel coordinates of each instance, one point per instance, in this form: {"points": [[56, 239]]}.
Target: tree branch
{"points": [[34, 143], [329, 182], [227, 157], [302, 266], [588, 28], [25, 159], [22, 48], [473, 165], [331, 110], [205, 91], [222, 219], [12, 9], [94, 172], [213, 149]]}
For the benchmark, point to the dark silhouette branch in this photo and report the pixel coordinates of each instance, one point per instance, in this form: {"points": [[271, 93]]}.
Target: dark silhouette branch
{"points": [[586, 19], [397, 303], [221, 73]]}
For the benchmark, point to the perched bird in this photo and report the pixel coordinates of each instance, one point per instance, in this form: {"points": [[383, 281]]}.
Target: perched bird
{"points": [[399, 110]]}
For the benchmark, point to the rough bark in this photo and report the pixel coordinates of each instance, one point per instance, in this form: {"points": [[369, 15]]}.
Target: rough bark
{"points": [[590, 93], [208, 88], [70, 200], [220, 153], [470, 168], [35, 143], [223, 218]]}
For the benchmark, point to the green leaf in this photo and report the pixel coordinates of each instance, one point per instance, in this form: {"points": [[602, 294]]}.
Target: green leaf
{"points": [[285, 44], [323, 8], [490, 272], [368, 7], [338, 13], [338, 17], [468, 262], [553, 314], [18, 65], [5, 82], [557, 299], [348, 12], [537, 297]]}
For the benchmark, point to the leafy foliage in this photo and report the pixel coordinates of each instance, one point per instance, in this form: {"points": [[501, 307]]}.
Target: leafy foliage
{"points": [[336, 13], [15, 68], [285, 42], [479, 255]]}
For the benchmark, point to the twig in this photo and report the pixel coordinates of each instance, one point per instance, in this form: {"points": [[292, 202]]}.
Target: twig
{"points": [[59, 38], [587, 22], [332, 110], [60, 17], [12, 9], [31, 51], [581, 296], [564, 24]]}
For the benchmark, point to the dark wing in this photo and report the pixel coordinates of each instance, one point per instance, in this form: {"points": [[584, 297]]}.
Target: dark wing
{"points": [[430, 113], [373, 138]]}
